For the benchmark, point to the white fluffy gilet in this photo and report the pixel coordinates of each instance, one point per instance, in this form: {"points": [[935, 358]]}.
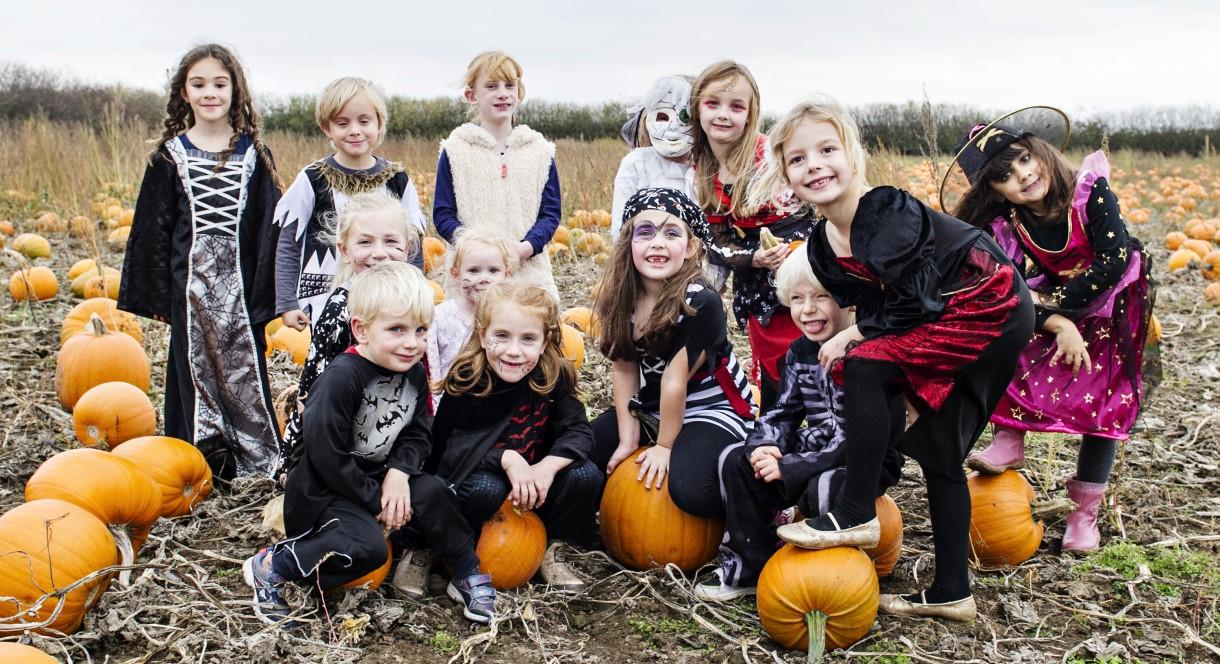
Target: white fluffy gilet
{"points": [[502, 193]]}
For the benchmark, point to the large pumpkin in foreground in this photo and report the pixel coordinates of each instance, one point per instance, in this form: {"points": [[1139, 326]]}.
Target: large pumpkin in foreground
{"points": [[112, 488], [829, 593], [1002, 526], [16, 653], [178, 468], [643, 528], [98, 356], [511, 546], [46, 546]]}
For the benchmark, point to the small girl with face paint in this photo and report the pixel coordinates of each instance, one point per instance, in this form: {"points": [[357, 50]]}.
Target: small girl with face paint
{"points": [[1082, 371], [661, 137], [480, 259], [511, 426], [676, 382], [373, 228], [201, 257], [729, 150]]}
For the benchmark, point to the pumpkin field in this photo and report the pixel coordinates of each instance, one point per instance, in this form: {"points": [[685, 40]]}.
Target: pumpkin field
{"points": [[119, 564]]}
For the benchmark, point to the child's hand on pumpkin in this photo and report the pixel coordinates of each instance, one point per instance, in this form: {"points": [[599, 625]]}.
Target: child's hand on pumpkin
{"points": [[654, 464], [524, 493], [395, 499], [628, 443]]}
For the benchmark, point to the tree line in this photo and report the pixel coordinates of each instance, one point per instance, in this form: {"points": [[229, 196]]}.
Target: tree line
{"points": [[908, 128]]}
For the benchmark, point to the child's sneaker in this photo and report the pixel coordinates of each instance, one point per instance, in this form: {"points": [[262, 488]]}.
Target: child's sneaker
{"points": [[557, 573], [476, 595], [269, 604], [716, 590], [784, 517], [411, 575]]}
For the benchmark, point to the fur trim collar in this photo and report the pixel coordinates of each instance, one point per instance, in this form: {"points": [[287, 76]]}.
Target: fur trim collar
{"points": [[473, 134]]}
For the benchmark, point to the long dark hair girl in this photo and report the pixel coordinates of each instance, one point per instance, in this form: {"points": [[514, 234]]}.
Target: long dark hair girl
{"points": [[242, 117], [982, 203]]}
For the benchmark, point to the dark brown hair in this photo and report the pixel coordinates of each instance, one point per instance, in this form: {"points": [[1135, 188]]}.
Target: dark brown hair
{"points": [[471, 373], [242, 117], [619, 288], [982, 203]]}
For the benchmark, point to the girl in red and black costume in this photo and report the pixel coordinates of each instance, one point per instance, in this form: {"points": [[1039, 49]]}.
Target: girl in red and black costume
{"points": [[941, 318], [729, 149]]}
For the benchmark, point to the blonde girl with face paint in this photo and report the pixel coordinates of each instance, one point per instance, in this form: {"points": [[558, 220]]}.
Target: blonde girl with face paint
{"points": [[510, 425]]}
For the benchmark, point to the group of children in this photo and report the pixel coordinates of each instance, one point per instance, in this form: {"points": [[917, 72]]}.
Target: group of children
{"points": [[878, 327]]}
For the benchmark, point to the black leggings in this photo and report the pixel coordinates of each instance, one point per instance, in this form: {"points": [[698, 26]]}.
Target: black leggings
{"points": [[694, 462], [1096, 459], [939, 440]]}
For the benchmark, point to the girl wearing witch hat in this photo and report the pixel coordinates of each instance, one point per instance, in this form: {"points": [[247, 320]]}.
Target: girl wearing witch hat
{"points": [[1081, 372]]}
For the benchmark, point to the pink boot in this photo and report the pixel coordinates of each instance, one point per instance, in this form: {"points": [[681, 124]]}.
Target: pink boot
{"points": [[1081, 533], [1007, 450]]}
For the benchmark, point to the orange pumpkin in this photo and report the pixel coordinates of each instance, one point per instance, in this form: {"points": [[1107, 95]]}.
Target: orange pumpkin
{"points": [[178, 468], [573, 344], [434, 253], [1181, 258], [292, 341], [1174, 240], [46, 546], [580, 318], [82, 266], [511, 546], [37, 283], [7, 228], [562, 236], [817, 599], [81, 227], [889, 547], [1211, 265], [1212, 293], [111, 413], [106, 285], [1002, 526], [17, 653], [117, 238], [373, 579], [77, 320], [112, 488], [1200, 248], [32, 246], [78, 283], [95, 357], [644, 529]]}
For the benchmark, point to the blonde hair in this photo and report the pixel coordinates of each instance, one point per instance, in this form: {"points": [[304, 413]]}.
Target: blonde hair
{"points": [[793, 271], [468, 237], [774, 177], [341, 91], [392, 288], [471, 373], [741, 160], [495, 66], [337, 228]]}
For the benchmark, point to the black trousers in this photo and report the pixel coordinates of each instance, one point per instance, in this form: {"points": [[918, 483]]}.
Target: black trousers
{"points": [[694, 462], [348, 543], [570, 507]]}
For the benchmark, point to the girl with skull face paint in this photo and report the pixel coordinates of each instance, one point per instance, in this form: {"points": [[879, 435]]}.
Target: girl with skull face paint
{"points": [[662, 137]]}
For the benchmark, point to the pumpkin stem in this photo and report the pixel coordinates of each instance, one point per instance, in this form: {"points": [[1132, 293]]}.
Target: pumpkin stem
{"points": [[96, 325], [1052, 507], [815, 623], [127, 552]]}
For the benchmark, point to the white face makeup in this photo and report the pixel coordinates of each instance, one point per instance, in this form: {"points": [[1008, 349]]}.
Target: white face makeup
{"points": [[667, 117]]}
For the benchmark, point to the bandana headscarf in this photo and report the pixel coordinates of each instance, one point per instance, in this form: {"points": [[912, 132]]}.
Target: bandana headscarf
{"points": [[670, 201]]}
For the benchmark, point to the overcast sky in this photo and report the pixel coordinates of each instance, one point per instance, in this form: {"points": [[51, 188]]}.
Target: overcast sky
{"points": [[1082, 56]]}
